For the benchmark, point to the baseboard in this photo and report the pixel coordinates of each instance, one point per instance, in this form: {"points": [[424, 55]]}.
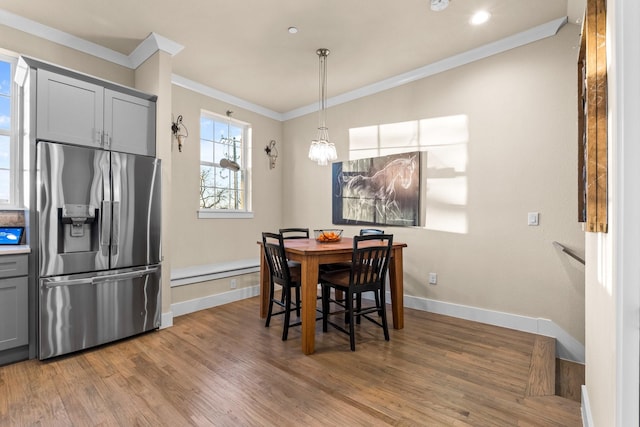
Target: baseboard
{"points": [[166, 320], [567, 347], [587, 420]]}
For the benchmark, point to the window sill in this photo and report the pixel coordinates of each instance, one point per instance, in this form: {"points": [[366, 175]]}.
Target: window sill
{"points": [[211, 214]]}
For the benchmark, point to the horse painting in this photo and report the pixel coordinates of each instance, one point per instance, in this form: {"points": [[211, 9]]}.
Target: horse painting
{"points": [[381, 190]]}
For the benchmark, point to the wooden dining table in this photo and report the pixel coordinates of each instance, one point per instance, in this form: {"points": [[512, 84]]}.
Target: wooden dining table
{"points": [[311, 254]]}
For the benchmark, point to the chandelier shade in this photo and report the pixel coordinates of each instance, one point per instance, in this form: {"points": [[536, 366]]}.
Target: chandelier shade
{"points": [[321, 150]]}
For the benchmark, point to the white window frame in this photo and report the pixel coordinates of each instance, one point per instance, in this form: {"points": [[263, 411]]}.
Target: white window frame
{"points": [[15, 195], [245, 169]]}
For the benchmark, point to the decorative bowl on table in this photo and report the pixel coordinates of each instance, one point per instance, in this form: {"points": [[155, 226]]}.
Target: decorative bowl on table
{"points": [[328, 235]]}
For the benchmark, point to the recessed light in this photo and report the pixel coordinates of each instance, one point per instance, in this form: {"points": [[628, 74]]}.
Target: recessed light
{"points": [[480, 17], [292, 30]]}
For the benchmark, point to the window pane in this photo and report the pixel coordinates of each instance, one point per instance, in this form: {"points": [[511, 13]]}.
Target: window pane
{"points": [[223, 177], [5, 152], [5, 78], [237, 153], [206, 151], [221, 131], [207, 189], [241, 200], [236, 133], [7, 176], [5, 186], [5, 113], [221, 152], [206, 129]]}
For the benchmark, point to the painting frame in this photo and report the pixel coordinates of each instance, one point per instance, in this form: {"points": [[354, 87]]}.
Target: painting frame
{"points": [[380, 191]]}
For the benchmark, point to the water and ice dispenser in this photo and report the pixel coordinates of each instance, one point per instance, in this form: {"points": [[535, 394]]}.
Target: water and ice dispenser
{"points": [[79, 228]]}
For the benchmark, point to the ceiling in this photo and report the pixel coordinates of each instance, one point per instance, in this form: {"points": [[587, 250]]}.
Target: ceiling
{"points": [[243, 48]]}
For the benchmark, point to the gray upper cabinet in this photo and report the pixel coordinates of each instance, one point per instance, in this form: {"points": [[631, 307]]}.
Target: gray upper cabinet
{"points": [[80, 112], [130, 123], [69, 110]]}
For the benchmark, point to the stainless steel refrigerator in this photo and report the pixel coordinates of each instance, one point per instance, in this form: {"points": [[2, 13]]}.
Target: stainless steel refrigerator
{"points": [[99, 249]]}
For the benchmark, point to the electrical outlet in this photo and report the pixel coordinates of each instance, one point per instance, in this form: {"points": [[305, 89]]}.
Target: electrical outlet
{"points": [[433, 278], [233, 284]]}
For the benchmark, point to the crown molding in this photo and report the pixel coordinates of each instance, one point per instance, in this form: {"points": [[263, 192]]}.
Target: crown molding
{"points": [[225, 97], [153, 43], [520, 39]]}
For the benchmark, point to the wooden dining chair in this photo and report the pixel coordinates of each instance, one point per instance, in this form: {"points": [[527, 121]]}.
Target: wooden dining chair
{"points": [[295, 233], [367, 272], [281, 274], [347, 265]]}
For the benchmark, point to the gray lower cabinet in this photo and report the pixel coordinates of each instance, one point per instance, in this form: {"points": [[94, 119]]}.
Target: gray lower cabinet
{"points": [[14, 312]]}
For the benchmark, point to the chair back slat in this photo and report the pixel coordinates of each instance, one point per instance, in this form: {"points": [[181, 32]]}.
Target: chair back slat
{"points": [[294, 233], [366, 231]]}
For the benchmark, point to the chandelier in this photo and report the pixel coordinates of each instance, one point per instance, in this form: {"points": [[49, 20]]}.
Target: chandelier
{"points": [[322, 151]]}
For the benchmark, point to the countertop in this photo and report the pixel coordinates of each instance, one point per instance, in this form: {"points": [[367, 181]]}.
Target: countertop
{"points": [[12, 250]]}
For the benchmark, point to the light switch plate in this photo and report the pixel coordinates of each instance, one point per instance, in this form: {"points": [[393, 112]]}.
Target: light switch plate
{"points": [[533, 218]]}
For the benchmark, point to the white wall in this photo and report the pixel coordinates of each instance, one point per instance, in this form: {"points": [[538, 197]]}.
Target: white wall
{"points": [[209, 242], [521, 157]]}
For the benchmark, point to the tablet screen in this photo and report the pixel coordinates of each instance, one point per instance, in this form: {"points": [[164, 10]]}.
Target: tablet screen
{"points": [[11, 235]]}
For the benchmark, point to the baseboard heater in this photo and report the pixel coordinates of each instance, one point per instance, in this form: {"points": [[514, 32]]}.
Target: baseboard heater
{"points": [[204, 273]]}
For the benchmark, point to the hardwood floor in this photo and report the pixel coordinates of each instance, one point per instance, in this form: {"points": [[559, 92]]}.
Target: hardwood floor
{"points": [[222, 367]]}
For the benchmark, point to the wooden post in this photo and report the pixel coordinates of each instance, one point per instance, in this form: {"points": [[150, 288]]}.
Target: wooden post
{"points": [[592, 133]]}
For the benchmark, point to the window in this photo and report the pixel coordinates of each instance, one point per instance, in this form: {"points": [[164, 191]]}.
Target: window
{"points": [[224, 167], [8, 141]]}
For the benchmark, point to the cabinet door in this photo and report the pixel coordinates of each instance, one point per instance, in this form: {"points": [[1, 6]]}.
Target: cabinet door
{"points": [[13, 313], [130, 123], [68, 110]]}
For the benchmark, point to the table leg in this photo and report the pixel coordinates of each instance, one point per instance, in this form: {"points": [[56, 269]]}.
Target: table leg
{"points": [[264, 285], [309, 299], [396, 288]]}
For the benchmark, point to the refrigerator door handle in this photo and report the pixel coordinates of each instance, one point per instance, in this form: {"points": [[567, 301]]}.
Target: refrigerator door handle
{"points": [[54, 283], [124, 276], [115, 238], [105, 227], [51, 283]]}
